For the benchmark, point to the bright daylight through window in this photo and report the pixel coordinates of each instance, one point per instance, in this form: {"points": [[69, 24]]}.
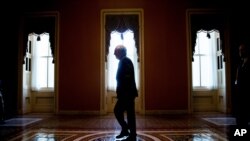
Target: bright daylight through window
{"points": [[204, 66], [42, 67], [127, 39]]}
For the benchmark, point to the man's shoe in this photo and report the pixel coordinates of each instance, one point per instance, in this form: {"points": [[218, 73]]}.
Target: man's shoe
{"points": [[122, 134], [130, 138]]}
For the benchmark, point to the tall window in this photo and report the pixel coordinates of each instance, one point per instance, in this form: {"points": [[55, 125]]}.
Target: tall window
{"points": [[204, 66], [42, 68], [126, 39]]}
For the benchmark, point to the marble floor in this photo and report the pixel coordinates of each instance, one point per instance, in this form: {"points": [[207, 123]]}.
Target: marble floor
{"points": [[43, 127]]}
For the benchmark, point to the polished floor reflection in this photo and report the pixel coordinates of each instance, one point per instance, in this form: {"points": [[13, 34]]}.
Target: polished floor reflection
{"points": [[104, 128]]}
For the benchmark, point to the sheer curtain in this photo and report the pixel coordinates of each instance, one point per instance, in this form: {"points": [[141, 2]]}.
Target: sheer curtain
{"points": [[42, 68], [205, 64], [127, 39]]}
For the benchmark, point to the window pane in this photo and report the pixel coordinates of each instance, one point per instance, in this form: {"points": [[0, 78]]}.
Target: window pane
{"points": [[196, 71], [44, 45], [205, 70], [203, 43], [112, 63], [206, 50], [42, 72], [42, 66], [50, 73]]}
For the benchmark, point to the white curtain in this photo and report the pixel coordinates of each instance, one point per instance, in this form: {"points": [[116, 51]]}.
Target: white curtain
{"points": [[42, 68], [205, 60], [127, 39]]}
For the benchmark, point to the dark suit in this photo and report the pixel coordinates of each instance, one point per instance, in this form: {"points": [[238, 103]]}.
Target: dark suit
{"points": [[241, 103], [126, 92], [243, 91]]}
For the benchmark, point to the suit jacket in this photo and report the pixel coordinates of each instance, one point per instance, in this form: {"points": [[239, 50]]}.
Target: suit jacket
{"points": [[240, 98], [243, 80], [126, 86]]}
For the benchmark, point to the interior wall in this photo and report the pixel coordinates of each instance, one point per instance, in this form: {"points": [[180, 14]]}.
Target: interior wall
{"points": [[166, 76], [165, 54], [8, 63]]}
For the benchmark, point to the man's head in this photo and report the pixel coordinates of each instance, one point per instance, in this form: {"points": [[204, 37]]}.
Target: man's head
{"points": [[120, 51], [243, 50]]}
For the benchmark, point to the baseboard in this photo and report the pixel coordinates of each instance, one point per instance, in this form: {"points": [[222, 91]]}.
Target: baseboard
{"points": [[165, 112], [78, 112]]}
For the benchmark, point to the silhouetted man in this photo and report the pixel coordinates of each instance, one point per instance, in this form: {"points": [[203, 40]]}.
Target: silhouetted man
{"points": [[126, 93], [242, 86], [240, 99]]}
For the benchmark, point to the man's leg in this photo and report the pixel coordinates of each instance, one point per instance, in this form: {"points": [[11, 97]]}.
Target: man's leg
{"points": [[131, 118], [119, 114]]}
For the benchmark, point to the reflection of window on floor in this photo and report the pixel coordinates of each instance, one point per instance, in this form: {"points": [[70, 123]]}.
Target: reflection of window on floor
{"points": [[127, 39], [42, 68], [204, 66]]}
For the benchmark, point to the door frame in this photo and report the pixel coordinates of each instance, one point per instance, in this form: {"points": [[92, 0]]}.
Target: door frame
{"points": [[22, 40], [103, 94], [226, 54]]}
